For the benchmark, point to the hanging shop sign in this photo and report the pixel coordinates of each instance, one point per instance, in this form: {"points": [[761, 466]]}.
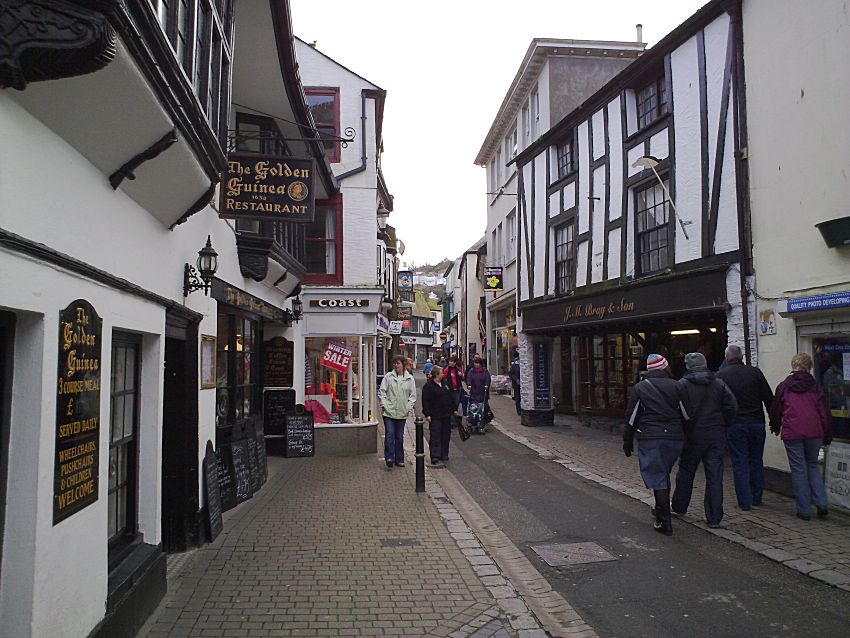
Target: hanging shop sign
{"points": [[493, 278], [337, 356], [75, 479], [396, 327], [279, 355], [405, 281], [267, 187], [233, 296], [382, 323], [542, 393], [820, 302]]}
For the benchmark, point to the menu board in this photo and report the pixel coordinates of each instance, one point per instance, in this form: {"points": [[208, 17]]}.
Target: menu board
{"points": [[262, 461], [276, 405], [224, 471], [253, 466], [241, 470], [542, 396], [215, 524], [300, 435], [75, 479], [279, 363]]}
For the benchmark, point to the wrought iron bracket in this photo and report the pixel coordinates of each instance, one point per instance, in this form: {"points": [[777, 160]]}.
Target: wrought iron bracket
{"points": [[192, 281], [234, 135]]}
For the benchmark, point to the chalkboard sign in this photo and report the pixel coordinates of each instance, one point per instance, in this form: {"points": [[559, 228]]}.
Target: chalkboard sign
{"points": [[276, 405], [262, 460], [214, 521], [279, 363], [224, 472], [542, 395], [300, 435], [241, 470], [253, 466]]}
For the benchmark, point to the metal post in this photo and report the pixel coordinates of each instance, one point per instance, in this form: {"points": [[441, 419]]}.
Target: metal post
{"points": [[419, 422]]}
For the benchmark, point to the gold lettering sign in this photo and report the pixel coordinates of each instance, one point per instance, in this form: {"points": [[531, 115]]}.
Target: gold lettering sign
{"points": [[590, 311]]}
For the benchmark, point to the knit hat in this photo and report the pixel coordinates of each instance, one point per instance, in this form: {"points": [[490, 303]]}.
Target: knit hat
{"points": [[656, 362], [695, 361]]}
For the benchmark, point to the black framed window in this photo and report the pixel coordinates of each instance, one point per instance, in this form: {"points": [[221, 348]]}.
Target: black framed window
{"points": [[651, 102], [237, 368], [566, 157], [258, 134], [123, 442], [323, 103], [565, 258], [652, 217]]}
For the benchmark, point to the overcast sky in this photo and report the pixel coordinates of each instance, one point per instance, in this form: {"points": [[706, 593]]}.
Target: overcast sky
{"points": [[446, 67]]}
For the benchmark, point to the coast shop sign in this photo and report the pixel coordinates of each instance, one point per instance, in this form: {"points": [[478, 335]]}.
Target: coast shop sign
{"points": [[75, 478], [267, 187]]}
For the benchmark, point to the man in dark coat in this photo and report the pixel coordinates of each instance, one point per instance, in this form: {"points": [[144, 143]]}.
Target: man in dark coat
{"points": [[710, 407], [514, 374], [745, 437]]}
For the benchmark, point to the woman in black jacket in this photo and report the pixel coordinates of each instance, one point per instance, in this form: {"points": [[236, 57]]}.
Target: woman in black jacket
{"points": [[655, 415], [438, 407]]}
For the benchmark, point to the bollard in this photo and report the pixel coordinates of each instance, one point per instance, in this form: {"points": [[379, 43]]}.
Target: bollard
{"points": [[420, 453]]}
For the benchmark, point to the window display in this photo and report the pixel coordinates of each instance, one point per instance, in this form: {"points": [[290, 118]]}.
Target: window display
{"points": [[832, 371], [336, 390]]}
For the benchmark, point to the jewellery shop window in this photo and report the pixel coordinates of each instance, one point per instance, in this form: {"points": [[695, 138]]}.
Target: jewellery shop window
{"points": [[237, 362], [832, 371], [339, 379]]}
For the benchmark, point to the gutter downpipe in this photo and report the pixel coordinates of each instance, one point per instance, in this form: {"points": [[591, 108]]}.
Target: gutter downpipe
{"points": [[363, 157]]}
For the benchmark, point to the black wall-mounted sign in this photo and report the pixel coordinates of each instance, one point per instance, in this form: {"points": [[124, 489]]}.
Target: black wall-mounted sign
{"points": [[300, 435], [276, 405], [241, 470], [233, 296], [224, 472], [75, 479], [267, 187], [542, 391], [215, 523], [279, 363]]}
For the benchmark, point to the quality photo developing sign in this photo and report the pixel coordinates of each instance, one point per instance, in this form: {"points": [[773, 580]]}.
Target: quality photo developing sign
{"points": [[337, 356], [267, 187], [75, 481]]}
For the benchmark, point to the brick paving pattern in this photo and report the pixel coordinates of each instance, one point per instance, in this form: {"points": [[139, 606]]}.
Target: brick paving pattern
{"points": [[818, 548]]}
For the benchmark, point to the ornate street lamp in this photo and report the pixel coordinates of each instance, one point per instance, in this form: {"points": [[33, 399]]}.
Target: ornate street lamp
{"points": [[383, 214], [200, 278]]}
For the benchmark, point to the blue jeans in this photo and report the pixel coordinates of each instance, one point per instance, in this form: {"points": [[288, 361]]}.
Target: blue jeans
{"points": [[746, 448], [805, 474], [710, 453], [518, 400], [394, 439]]}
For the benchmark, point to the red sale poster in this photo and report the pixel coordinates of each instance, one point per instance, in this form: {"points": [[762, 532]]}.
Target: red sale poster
{"points": [[337, 356]]}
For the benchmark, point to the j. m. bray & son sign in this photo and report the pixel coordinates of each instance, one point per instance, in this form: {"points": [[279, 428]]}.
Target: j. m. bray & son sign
{"points": [[267, 187]]}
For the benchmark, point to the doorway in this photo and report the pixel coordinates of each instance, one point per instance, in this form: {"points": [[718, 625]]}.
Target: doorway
{"points": [[7, 335], [566, 402]]}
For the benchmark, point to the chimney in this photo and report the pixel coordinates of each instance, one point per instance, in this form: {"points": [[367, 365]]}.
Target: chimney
{"points": [[639, 28]]}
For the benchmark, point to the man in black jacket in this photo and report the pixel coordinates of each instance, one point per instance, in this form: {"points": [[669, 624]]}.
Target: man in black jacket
{"points": [[710, 407], [745, 437]]}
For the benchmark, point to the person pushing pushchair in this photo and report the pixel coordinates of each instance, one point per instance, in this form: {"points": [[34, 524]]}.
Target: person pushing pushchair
{"points": [[478, 382]]}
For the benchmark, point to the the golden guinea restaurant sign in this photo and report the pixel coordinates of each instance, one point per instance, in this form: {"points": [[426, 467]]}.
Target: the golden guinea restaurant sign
{"points": [[267, 187]]}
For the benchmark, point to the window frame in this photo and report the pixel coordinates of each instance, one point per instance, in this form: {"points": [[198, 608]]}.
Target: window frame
{"points": [[333, 157], [324, 279], [569, 257], [657, 101], [226, 351], [510, 240], [656, 187], [568, 167]]}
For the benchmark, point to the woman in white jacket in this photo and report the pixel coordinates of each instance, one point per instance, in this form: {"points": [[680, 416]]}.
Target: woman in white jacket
{"points": [[397, 396]]}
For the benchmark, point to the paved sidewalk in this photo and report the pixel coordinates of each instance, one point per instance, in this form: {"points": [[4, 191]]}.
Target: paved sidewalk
{"points": [[818, 548], [335, 547]]}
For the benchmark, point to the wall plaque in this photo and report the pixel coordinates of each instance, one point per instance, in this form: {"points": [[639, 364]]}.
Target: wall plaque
{"points": [[75, 480], [279, 362], [267, 187]]}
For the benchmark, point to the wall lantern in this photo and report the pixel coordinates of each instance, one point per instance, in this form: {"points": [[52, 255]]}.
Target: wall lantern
{"points": [[835, 232], [200, 278], [296, 314], [383, 214]]}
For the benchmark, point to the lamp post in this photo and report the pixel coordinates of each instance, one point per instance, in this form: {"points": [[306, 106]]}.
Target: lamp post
{"points": [[200, 278], [419, 423], [650, 162]]}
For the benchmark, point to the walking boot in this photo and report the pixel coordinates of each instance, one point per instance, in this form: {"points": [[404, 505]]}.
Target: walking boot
{"points": [[663, 522]]}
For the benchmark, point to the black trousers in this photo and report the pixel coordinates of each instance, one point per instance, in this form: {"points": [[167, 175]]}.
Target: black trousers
{"points": [[439, 435]]}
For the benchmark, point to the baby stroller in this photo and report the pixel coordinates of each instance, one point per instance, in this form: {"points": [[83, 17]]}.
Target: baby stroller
{"points": [[479, 415]]}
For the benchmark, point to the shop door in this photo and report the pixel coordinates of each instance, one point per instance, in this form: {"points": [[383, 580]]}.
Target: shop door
{"points": [[7, 331], [566, 400], [180, 521]]}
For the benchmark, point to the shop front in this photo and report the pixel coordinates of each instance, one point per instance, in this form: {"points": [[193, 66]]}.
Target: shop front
{"points": [[341, 367], [502, 323], [596, 342]]}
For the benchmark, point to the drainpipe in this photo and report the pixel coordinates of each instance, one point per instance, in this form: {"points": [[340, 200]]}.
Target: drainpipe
{"points": [[362, 166]]}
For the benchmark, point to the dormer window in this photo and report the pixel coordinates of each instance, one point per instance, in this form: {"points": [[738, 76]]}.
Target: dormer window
{"points": [[651, 101]]}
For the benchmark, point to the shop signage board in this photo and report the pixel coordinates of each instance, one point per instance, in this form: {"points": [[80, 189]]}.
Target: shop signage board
{"points": [[382, 323], [241, 470], [253, 466], [838, 474], [542, 393], [405, 281], [820, 302], [343, 303], [215, 523], [279, 363], [231, 295], [300, 435], [276, 405], [262, 460], [224, 472], [493, 280], [337, 356], [396, 327], [76, 468], [267, 187]]}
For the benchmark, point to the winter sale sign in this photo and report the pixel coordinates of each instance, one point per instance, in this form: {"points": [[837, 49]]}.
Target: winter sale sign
{"points": [[337, 356]]}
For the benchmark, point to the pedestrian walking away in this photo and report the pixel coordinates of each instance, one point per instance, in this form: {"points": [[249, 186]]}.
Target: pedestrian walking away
{"points": [[655, 416], [397, 396], [453, 379], [438, 408], [745, 437], [426, 369], [478, 381], [709, 408], [514, 374], [800, 417]]}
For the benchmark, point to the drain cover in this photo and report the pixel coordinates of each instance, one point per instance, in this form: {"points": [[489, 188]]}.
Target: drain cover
{"points": [[560, 555], [399, 542]]}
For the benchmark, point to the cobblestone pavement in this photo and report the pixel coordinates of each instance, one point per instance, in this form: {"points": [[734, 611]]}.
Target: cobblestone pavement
{"points": [[335, 547], [818, 548]]}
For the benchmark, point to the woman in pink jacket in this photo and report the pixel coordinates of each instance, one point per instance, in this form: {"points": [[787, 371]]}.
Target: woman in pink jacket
{"points": [[800, 416]]}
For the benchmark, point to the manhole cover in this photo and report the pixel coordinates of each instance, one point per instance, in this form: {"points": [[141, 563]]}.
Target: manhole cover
{"points": [[750, 530], [399, 542], [560, 555]]}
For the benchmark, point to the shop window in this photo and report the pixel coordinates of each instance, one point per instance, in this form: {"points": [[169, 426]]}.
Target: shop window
{"points": [[565, 157], [324, 245], [123, 444], [324, 105], [339, 384], [565, 258], [237, 362], [607, 368], [651, 102], [652, 216], [832, 362]]}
